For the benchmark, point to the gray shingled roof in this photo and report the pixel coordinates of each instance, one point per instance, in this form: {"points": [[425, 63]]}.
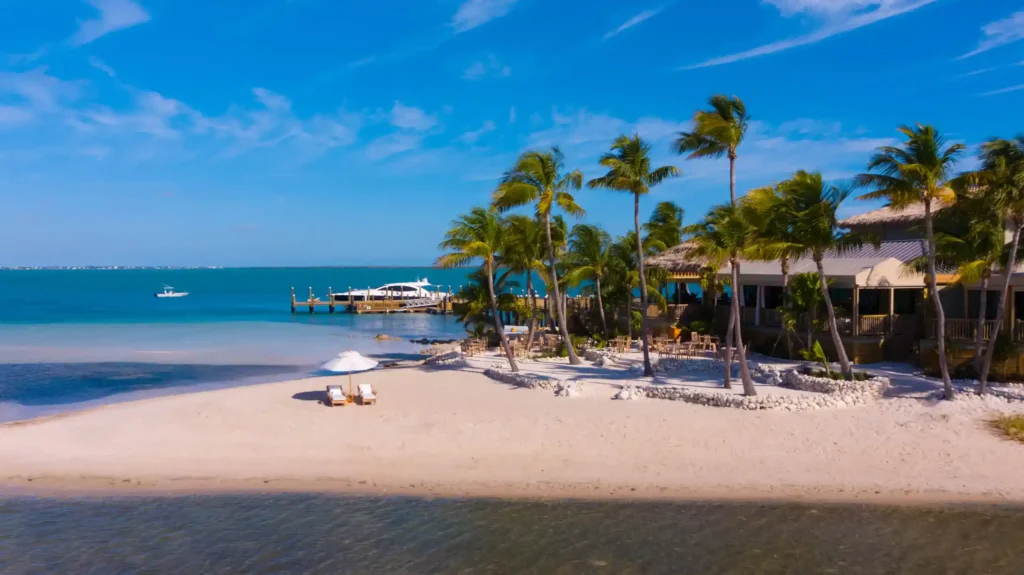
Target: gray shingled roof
{"points": [[903, 250]]}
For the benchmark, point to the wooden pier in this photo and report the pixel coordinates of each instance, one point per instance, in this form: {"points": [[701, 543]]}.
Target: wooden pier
{"points": [[443, 305]]}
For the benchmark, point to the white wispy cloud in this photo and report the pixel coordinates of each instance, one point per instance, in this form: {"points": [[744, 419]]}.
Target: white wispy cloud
{"points": [[102, 66], [36, 91], [15, 115], [489, 67], [839, 17], [113, 15], [362, 62], [999, 33], [391, 145], [512, 115], [411, 118], [1016, 88], [638, 19], [473, 136], [473, 13]]}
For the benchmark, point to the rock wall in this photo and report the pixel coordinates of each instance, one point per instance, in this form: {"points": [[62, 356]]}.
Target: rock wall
{"points": [[870, 388], [452, 359], [529, 381]]}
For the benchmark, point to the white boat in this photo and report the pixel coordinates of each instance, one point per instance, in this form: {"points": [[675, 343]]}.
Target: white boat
{"points": [[407, 291], [169, 292]]}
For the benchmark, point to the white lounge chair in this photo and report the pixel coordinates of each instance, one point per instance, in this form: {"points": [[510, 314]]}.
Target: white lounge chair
{"points": [[336, 395], [366, 395]]}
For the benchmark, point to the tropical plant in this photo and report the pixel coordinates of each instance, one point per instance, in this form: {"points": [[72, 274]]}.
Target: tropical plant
{"points": [[629, 170], [917, 173], [537, 179], [726, 233], [814, 205], [806, 299], [475, 313], [1002, 177], [775, 240], [717, 132], [665, 225], [817, 355], [590, 259], [473, 237], [969, 238], [523, 254]]}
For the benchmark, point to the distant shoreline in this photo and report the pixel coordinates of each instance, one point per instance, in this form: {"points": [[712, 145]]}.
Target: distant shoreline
{"points": [[188, 268]]}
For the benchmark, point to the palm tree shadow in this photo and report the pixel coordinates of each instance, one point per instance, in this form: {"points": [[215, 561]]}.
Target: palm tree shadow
{"points": [[317, 396]]}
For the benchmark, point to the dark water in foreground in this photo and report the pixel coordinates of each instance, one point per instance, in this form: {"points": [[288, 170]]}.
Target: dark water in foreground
{"points": [[323, 534]]}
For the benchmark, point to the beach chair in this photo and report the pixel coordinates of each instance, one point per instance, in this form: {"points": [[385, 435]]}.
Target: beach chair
{"points": [[366, 395], [710, 344], [336, 395]]}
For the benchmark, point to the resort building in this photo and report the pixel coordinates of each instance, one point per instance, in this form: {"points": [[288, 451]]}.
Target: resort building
{"points": [[882, 306]]}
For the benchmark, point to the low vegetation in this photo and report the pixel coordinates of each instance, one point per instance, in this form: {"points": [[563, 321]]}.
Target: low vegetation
{"points": [[1010, 426]]}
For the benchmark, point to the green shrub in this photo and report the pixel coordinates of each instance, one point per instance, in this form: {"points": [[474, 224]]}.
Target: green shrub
{"points": [[1010, 426]]}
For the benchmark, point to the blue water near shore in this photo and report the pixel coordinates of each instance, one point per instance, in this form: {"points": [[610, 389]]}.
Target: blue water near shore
{"points": [[74, 338]]}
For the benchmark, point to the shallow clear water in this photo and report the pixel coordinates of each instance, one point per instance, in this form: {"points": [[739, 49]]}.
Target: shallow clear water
{"points": [[324, 534], [73, 338]]}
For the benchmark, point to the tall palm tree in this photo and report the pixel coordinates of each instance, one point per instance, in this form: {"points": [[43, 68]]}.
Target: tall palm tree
{"points": [[814, 205], [970, 238], [775, 239], [807, 300], [917, 173], [726, 232], [523, 254], [629, 170], [537, 179], [589, 259], [717, 132], [666, 224], [1002, 176], [479, 235]]}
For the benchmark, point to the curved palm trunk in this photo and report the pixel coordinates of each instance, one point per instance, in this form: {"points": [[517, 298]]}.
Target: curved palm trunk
{"points": [[497, 319], [730, 335], [785, 305], [979, 331], [1007, 276], [533, 316], [600, 306], [748, 382], [648, 370], [563, 323], [732, 177], [940, 315], [844, 362]]}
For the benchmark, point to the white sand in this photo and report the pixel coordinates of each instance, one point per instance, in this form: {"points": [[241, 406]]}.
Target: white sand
{"points": [[459, 433]]}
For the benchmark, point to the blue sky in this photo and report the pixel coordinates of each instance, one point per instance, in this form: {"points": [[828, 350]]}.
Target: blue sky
{"points": [[319, 132]]}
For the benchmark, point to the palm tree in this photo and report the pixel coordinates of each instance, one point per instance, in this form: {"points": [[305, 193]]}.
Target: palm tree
{"points": [[1002, 176], [813, 205], [717, 132], [523, 254], [666, 224], [969, 238], [806, 299], [629, 170], [479, 235], [775, 240], [537, 179], [726, 232], [917, 173], [589, 259]]}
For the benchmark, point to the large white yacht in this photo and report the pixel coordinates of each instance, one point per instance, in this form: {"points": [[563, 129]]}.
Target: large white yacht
{"points": [[417, 290]]}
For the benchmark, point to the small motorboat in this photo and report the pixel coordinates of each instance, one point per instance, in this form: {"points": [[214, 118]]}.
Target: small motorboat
{"points": [[169, 292]]}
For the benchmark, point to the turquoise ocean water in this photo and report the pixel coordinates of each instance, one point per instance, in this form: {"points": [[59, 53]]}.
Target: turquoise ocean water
{"points": [[72, 338]]}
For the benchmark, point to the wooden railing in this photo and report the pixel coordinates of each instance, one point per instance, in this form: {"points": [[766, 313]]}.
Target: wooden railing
{"points": [[964, 329], [771, 317], [873, 325], [748, 315]]}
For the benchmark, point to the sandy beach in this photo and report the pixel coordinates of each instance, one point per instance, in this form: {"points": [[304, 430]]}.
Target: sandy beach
{"points": [[458, 433]]}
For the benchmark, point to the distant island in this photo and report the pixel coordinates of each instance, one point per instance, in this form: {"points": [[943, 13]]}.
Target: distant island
{"points": [[111, 267]]}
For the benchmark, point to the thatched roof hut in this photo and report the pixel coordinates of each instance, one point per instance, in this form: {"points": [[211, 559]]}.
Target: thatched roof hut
{"points": [[678, 260], [887, 215]]}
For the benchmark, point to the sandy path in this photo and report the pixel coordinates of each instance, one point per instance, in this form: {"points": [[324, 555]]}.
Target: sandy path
{"points": [[453, 432]]}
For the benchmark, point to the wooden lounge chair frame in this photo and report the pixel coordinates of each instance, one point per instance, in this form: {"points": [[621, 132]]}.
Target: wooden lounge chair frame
{"points": [[365, 401], [331, 401]]}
